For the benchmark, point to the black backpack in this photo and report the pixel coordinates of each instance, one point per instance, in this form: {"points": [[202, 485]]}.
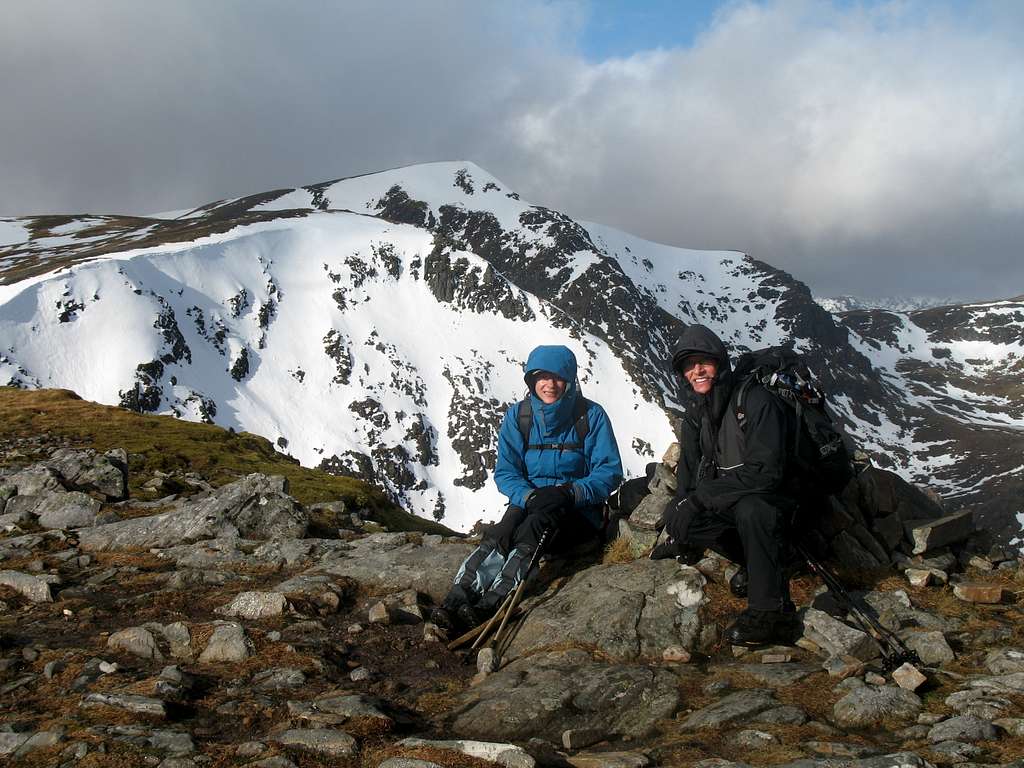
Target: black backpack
{"points": [[581, 422], [820, 453]]}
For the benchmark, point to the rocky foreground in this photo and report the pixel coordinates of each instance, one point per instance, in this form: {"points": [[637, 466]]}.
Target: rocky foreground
{"points": [[212, 629]]}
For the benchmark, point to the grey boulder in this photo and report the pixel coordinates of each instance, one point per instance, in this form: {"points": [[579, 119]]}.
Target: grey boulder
{"points": [[546, 694], [629, 611], [870, 705]]}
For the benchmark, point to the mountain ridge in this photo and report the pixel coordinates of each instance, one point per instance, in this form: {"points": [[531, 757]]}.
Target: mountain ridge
{"points": [[408, 299]]}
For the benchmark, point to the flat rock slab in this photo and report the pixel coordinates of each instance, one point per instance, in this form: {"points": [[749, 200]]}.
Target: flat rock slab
{"points": [[629, 611], [978, 592], [778, 675], [1005, 661], [391, 562], [508, 755], [608, 760], [940, 532], [140, 705], [963, 728], [256, 507], [546, 694], [735, 707], [870, 706], [322, 741]]}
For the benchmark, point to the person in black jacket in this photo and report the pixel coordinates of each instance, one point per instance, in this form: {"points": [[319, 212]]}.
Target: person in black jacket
{"points": [[732, 490]]}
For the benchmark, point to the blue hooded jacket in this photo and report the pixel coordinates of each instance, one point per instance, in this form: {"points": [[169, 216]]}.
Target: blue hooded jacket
{"points": [[594, 473]]}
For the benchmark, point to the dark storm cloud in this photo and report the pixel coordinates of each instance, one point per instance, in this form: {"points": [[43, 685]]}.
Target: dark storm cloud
{"points": [[866, 151]]}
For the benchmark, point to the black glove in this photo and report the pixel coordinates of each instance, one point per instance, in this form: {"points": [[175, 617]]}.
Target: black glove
{"points": [[665, 550], [549, 502], [677, 517]]}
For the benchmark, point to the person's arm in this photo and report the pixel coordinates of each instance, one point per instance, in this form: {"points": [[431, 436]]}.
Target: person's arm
{"points": [[510, 468], [602, 453], [767, 443], [689, 453]]}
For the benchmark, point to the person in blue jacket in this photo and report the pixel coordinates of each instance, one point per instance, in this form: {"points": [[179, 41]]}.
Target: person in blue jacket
{"points": [[557, 464]]}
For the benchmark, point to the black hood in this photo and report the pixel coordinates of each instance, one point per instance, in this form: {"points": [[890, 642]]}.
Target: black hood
{"points": [[700, 340]]}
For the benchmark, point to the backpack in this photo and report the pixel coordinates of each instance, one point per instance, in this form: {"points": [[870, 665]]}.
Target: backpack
{"points": [[820, 453], [581, 422]]}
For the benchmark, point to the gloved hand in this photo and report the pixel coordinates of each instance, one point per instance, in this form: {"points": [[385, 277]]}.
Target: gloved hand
{"points": [[549, 502], [677, 517], [665, 550]]}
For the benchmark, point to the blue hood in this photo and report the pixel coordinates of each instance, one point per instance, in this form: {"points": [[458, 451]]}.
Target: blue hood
{"points": [[561, 361]]}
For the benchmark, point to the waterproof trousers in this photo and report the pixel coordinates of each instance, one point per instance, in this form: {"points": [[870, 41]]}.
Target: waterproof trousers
{"points": [[499, 564], [751, 533]]}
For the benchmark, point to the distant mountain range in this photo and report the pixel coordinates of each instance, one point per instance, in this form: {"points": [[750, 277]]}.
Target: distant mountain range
{"points": [[376, 326], [840, 304]]}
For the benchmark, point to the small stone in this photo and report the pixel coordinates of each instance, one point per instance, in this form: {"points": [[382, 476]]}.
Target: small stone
{"points": [[981, 563], [578, 738], [228, 643], [53, 668], [842, 667], [487, 661], [752, 739], [29, 654], [434, 634], [931, 647], [360, 675], [273, 636], [930, 718], [137, 641], [838, 638], [978, 592], [908, 677], [255, 605], [776, 658], [379, 614], [675, 654], [108, 667], [809, 645], [354, 629], [873, 678], [250, 749], [918, 577]]}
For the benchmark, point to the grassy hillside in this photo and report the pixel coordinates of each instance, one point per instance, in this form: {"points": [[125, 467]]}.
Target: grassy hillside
{"points": [[171, 445]]}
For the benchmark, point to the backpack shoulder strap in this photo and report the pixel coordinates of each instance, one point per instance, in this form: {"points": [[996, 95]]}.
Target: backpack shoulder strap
{"points": [[525, 416], [582, 420], [741, 396]]}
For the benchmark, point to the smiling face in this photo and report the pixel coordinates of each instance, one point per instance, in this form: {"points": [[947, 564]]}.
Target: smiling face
{"points": [[548, 387], [700, 371]]}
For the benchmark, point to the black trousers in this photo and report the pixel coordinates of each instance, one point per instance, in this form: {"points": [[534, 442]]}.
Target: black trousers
{"points": [[752, 533]]}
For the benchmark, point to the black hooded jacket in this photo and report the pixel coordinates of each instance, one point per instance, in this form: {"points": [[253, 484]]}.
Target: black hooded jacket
{"points": [[720, 461]]}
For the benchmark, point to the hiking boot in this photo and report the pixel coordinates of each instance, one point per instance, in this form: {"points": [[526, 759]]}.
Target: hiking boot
{"points": [[753, 628], [739, 582], [440, 616], [472, 616]]}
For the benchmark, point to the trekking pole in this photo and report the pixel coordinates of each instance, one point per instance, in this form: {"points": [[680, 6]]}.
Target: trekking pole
{"points": [[517, 595], [491, 621], [466, 637], [894, 652]]}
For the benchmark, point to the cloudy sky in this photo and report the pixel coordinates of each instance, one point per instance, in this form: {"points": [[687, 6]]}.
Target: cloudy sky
{"points": [[868, 148]]}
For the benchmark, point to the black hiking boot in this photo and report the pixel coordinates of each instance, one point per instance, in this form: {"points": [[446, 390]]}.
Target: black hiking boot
{"points": [[739, 582], [684, 555], [443, 618], [753, 628], [471, 616]]}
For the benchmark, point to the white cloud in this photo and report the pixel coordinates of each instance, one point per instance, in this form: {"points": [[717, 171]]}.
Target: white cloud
{"points": [[872, 150]]}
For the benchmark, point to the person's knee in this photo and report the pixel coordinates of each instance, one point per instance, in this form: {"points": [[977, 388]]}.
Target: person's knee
{"points": [[754, 514]]}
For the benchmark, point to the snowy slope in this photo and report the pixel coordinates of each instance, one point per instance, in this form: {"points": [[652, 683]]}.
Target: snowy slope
{"points": [[376, 325]]}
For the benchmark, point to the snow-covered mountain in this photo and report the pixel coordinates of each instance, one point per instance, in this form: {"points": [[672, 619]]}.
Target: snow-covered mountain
{"points": [[840, 304], [376, 325]]}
